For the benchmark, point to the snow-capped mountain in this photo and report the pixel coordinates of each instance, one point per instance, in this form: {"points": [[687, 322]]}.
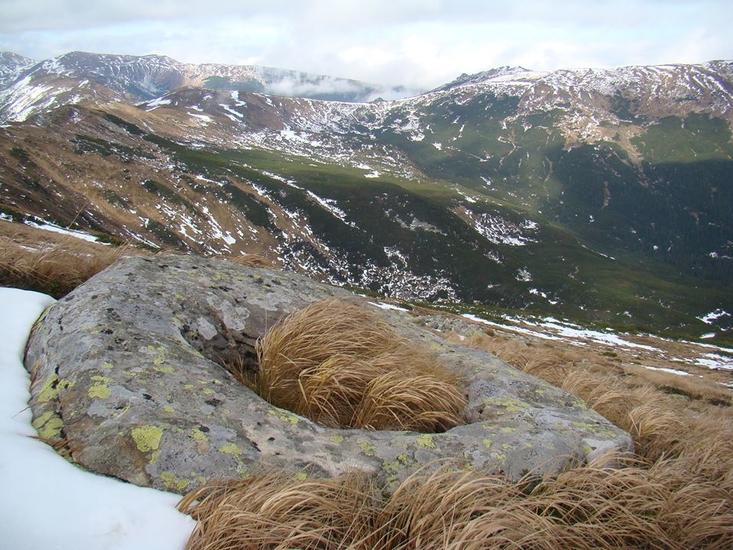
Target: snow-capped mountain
{"points": [[142, 78], [10, 66], [595, 194]]}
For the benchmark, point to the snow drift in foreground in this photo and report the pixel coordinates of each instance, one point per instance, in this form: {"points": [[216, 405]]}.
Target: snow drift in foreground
{"points": [[47, 502]]}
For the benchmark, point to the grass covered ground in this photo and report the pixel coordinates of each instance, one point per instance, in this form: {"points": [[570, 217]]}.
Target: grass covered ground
{"points": [[676, 491], [52, 263]]}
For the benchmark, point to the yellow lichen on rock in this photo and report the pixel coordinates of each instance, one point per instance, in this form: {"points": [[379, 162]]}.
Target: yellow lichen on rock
{"points": [[147, 438], [99, 389], [48, 425]]}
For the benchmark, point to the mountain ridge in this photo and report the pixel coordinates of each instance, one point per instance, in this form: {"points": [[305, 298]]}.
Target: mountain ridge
{"points": [[601, 195], [142, 78]]}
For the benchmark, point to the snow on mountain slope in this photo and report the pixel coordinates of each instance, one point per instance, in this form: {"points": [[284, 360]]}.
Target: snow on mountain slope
{"points": [[511, 187], [11, 65], [143, 78]]}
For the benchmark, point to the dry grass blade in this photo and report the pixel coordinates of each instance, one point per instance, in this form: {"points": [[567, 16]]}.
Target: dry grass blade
{"points": [[252, 260], [331, 391], [606, 394], [394, 401], [343, 366], [429, 510], [55, 267], [592, 507], [277, 511]]}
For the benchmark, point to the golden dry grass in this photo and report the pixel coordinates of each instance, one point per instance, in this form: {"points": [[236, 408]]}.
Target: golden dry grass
{"points": [[675, 493], [594, 507], [33, 259], [277, 511], [55, 264], [342, 366], [252, 260]]}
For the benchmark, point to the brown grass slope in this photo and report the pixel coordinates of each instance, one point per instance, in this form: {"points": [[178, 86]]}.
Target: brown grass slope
{"points": [[55, 264], [676, 493]]}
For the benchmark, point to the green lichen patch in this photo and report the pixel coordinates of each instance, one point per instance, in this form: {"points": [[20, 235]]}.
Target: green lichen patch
{"points": [[231, 449], [285, 416], [199, 435], [426, 441], [147, 438], [367, 447], [397, 465], [587, 426], [159, 352], [48, 425], [506, 404], [174, 483], [167, 369], [49, 390], [99, 390]]}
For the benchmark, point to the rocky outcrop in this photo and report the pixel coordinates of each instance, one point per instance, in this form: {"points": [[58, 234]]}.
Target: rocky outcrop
{"points": [[127, 375]]}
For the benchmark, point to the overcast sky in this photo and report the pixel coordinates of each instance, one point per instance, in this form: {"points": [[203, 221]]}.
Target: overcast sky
{"points": [[418, 43]]}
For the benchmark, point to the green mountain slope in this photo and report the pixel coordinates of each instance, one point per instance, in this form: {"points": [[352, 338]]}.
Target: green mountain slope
{"points": [[554, 194]]}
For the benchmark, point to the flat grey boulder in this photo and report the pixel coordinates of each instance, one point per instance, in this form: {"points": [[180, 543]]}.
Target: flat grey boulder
{"points": [[127, 378]]}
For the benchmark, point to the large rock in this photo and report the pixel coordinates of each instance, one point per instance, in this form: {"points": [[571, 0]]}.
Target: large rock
{"points": [[126, 369]]}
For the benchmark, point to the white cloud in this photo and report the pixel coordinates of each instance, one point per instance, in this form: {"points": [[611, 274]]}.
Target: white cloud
{"points": [[414, 42]]}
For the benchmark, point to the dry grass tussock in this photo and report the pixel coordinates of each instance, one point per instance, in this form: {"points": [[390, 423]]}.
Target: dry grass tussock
{"points": [[277, 511], [252, 260], [675, 493], [593, 507], [55, 264], [33, 260], [342, 366]]}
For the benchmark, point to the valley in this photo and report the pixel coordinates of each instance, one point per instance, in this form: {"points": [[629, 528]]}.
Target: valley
{"points": [[601, 197]]}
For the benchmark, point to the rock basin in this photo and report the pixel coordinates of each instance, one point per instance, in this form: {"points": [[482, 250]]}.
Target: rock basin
{"points": [[127, 377]]}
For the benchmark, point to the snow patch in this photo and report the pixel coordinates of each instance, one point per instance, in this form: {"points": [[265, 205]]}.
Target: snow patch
{"points": [[331, 206], [79, 509], [499, 230], [384, 305], [713, 316], [159, 102], [668, 370], [48, 226]]}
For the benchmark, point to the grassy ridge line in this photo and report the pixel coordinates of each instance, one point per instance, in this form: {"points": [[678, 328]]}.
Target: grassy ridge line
{"points": [[676, 492], [33, 259]]}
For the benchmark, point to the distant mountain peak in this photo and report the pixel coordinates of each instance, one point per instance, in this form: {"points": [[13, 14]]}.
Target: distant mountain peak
{"points": [[143, 78], [507, 187], [11, 64], [485, 76]]}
